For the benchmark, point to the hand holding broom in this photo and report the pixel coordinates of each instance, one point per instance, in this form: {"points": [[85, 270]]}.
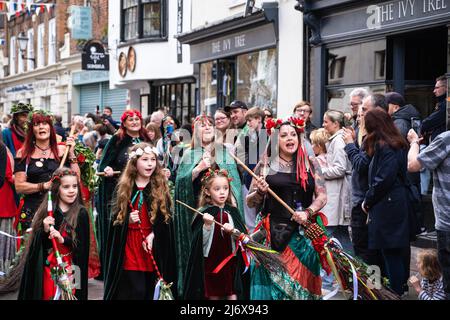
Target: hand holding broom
{"points": [[265, 256]]}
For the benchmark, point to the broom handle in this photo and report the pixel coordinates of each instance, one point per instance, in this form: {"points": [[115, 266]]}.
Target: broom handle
{"points": [[273, 194], [102, 174], [66, 152], [195, 210]]}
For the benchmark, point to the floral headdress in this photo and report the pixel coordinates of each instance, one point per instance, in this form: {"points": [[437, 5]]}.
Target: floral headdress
{"points": [[303, 165], [130, 113], [139, 152], [212, 173], [297, 123], [200, 118], [21, 108], [66, 172], [43, 113]]}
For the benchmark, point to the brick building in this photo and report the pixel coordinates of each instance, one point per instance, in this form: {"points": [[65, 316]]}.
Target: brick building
{"points": [[48, 73]]}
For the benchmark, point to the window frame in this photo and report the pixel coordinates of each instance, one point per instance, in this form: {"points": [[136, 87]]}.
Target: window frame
{"points": [[30, 50], [40, 46], [51, 41], [163, 35], [13, 55]]}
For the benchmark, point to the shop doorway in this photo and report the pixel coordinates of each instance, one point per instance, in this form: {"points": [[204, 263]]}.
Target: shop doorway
{"points": [[415, 60]]}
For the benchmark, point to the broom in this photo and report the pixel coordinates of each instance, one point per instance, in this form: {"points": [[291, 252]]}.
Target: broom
{"points": [[162, 288], [349, 272], [59, 273], [264, 256]]}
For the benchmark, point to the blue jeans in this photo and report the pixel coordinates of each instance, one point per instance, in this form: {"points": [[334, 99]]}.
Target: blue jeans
{"points": [[443, 246]]}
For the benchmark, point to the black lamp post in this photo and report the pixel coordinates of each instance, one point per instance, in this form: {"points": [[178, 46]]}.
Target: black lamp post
{"points": [[23, 42]]}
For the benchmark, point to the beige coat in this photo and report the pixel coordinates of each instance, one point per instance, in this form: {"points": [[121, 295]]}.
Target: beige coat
{"points": [[338, 182]]}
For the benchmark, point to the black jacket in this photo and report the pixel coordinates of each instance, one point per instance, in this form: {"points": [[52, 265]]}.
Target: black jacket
{"points": [[435, 123], [402, 118], [387, 199]]}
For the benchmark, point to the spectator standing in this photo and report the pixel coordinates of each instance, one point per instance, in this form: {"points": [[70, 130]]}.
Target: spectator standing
{"points": [[107, 115], [386, 201], [59, 128], [304, 110], [435, 123], [14, 135], [338, 180]]}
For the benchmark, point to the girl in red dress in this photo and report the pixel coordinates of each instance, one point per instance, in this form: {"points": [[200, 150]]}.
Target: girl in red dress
{"points": [[139, 240], [71, 231]]}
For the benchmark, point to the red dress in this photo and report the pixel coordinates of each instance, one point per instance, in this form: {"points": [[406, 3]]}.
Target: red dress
{"points": [[136, 258], [220, 284], [48, 286], [8, 207]]}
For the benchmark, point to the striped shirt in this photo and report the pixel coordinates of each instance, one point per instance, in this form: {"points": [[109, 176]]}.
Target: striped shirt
{"points": [[432, 291], [436, 158]]}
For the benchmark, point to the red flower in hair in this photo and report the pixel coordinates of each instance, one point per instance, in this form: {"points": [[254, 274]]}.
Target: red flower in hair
{"points": [[270, 124], [81, 158], [297, 123]]}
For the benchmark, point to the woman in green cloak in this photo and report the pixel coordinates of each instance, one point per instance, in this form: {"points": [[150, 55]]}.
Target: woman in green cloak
{"points": [[202, 154]]}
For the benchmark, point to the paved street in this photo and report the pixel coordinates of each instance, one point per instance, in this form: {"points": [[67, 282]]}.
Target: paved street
{"points": [[96, 287]]}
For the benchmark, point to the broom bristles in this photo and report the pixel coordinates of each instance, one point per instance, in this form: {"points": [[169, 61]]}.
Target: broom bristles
{"points": [[269, 260], [346, 275]]}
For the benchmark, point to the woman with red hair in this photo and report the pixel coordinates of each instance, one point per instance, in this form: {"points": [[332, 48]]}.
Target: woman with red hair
{"points": [[115, 157], [35, 163]]}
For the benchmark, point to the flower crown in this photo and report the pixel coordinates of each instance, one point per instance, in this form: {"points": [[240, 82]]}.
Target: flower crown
{"points": [[212, 173], [21, 107], [139, 152], [297, 123], [63, 173]]}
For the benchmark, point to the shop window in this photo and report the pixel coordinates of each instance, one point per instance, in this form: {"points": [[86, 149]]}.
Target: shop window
{"points": [[358, 63], [208, 87], [339, 98], [143, 19], [257, 78], [337, 67], [380, 65]]}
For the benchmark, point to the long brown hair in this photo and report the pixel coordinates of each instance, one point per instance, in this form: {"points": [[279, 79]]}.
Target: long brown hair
{"points": [[71, 216], [381, 130], [157, 188], [155, 128], [30, 140]]}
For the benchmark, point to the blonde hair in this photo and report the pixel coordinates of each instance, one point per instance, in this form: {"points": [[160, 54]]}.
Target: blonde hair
{"points": [[157, 188], [255, 112], [428, 264], [320, 137]]}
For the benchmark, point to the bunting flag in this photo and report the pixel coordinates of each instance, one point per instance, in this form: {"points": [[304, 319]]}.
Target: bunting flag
{"points": [[15, 8]]}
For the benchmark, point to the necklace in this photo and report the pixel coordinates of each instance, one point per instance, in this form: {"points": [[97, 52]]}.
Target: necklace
{"points": [[44, 150], [287, 164]]}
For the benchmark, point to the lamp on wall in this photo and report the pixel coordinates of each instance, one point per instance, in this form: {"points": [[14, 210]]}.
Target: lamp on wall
{"points": [[22, 39]]}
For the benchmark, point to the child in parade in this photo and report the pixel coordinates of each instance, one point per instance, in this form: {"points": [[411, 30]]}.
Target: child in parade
{"points": [[431, 286], [71, 231], [140, 247], [216, 266]]}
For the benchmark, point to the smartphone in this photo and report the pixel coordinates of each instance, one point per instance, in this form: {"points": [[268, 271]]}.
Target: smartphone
{"points": [[415, 124]]}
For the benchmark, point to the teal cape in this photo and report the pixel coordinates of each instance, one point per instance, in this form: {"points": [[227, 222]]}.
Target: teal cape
{"points": [[184, 192]]}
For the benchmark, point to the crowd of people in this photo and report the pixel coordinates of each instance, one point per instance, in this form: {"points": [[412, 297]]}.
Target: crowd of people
{"points": [[168, 201]]}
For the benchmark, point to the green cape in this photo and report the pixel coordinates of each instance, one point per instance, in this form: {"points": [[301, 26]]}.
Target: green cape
{"points": [[184, 192], [194, 282]]}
